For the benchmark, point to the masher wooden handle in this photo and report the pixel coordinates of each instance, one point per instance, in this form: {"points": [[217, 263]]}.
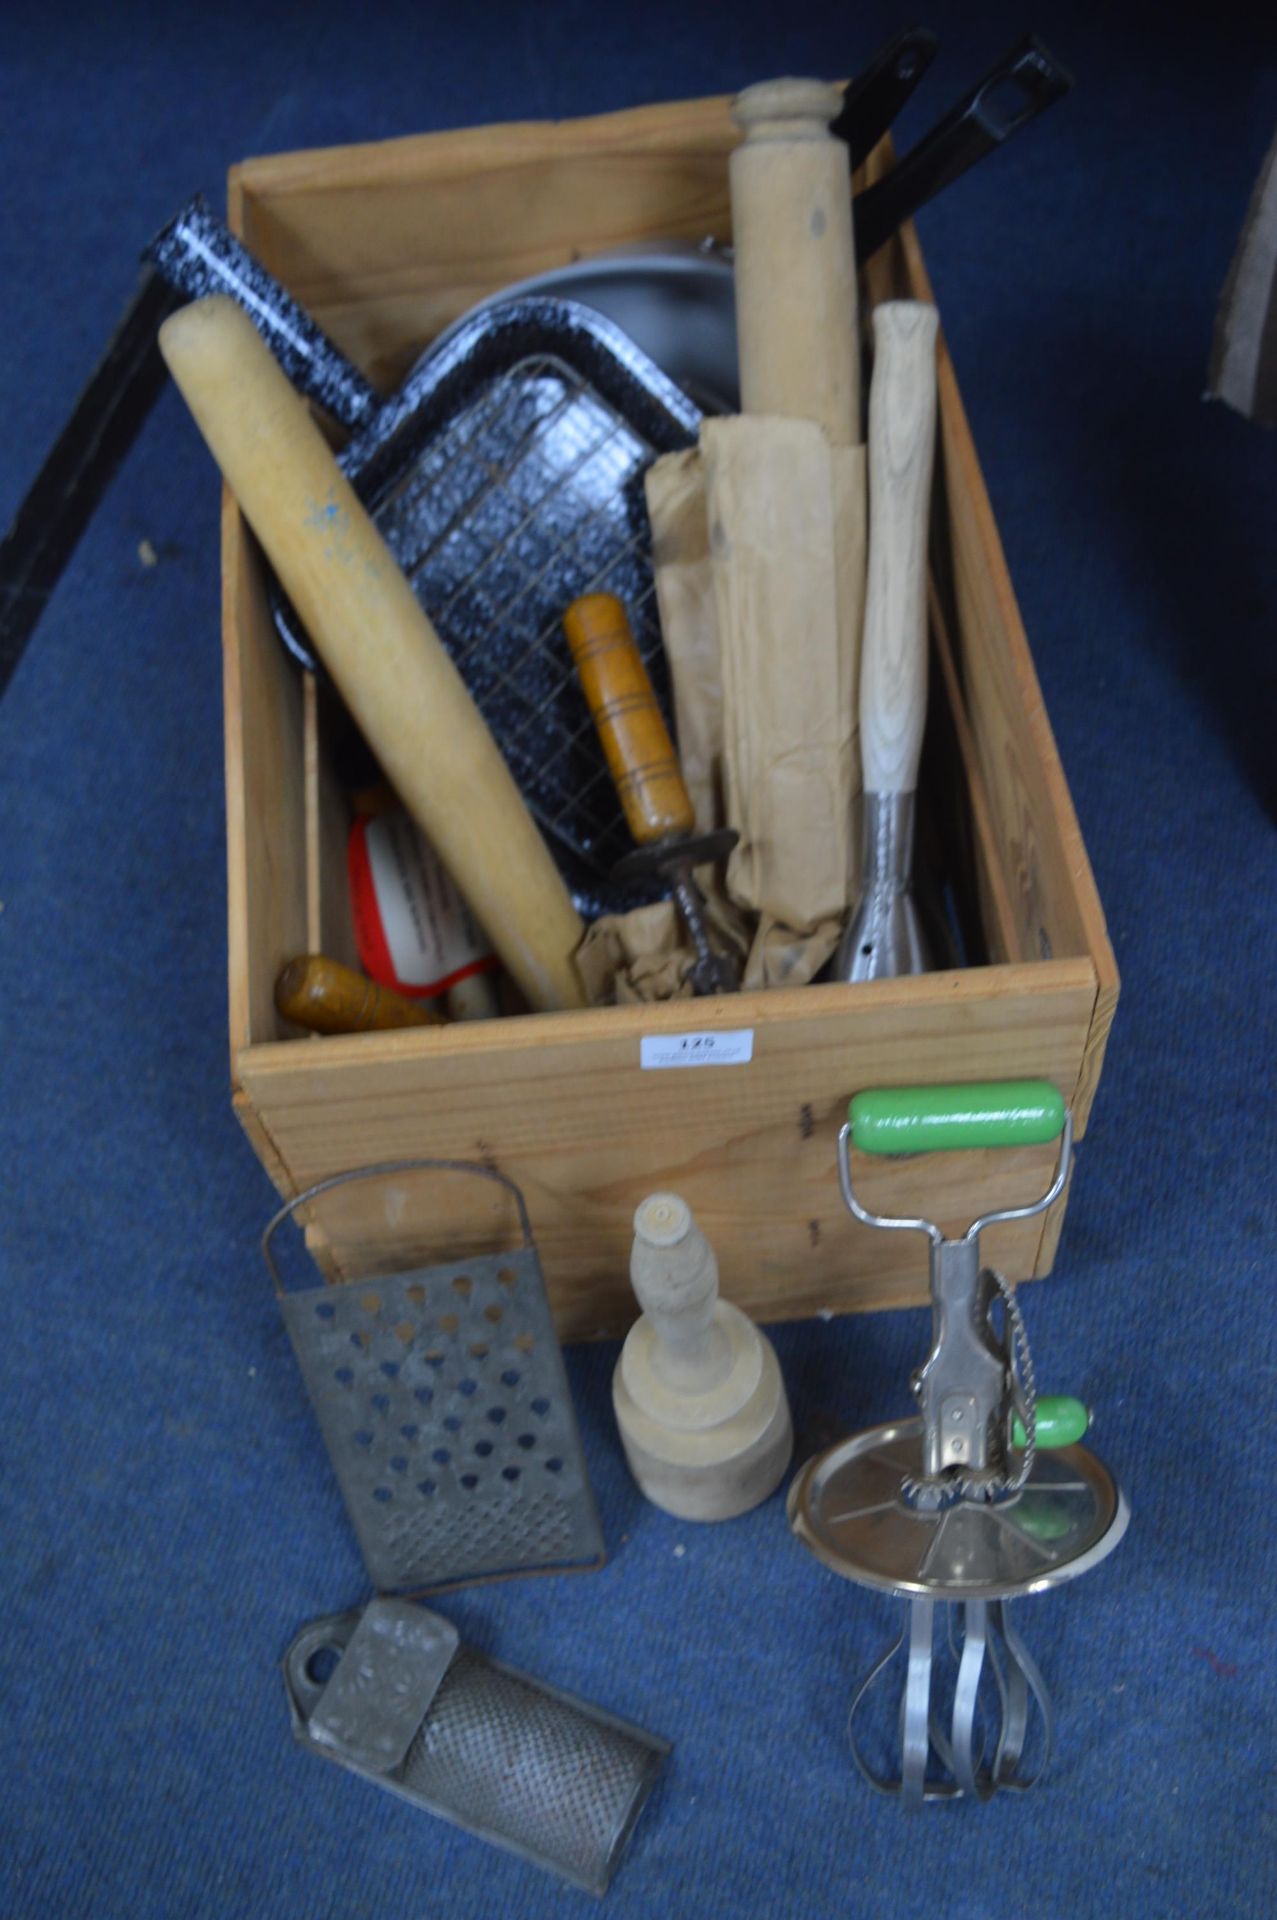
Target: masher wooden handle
{"points": [[322, 994], [636, 743], [902, 431], [390, 667]]}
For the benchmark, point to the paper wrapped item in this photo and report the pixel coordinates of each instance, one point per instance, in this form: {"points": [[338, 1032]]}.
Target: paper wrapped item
{"points": [[787, 609], [786, 580], [646, 954], [675, 488]]}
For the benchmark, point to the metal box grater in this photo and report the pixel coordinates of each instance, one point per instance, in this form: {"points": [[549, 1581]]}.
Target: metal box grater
{"points": [[442, 1398]]}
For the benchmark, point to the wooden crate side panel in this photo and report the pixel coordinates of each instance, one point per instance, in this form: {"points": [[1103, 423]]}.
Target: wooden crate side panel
{"points": [[387, 244], [1042, 860], [265, 794], [1052, 1227], [330, 926], [561, 1105], [1096, 1046], [262, 1144], [996, 916], [1042, 857]]}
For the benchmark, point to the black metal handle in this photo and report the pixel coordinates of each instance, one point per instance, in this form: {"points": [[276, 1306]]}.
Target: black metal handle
{"points": [[1018, 89], [199, 255], [880, 90], [62, 498], [386, 1167]]}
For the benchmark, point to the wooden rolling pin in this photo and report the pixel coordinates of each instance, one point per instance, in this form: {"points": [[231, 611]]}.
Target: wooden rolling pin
{"points": [[795, 264], [385, 657], [322, 994], [785, 489]]}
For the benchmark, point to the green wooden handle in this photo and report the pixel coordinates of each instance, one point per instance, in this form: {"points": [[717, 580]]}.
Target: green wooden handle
{"points": [[1062, 1420], [991, 1113]]}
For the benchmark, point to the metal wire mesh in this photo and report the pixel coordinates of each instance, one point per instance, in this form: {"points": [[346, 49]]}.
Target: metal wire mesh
{"points": [[531, 496], [518, 1763]]}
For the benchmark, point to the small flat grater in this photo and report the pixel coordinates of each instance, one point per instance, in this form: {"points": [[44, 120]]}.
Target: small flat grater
{"points": [[443, 1401], [391, 1694]]}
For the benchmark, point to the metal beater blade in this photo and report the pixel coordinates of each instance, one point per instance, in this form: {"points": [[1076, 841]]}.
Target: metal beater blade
{"points": [[988, 1646]]}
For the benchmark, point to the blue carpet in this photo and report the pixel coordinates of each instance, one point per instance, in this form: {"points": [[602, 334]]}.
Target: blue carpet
{"points": [[168, 1518]]}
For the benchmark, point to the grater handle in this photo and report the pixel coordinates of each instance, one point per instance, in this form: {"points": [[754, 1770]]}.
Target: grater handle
{"points": [[380, 1169]]}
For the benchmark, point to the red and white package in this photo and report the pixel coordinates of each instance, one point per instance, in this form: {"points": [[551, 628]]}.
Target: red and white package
{"points": [[414, 931]]}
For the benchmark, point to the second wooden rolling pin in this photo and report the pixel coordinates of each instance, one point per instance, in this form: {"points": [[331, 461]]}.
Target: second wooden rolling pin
{"points": [[387, 660], [785, 497], [795, 262]]}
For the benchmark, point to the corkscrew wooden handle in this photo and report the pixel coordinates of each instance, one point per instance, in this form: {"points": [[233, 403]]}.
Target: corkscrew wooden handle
{"points": [[636, 742]]}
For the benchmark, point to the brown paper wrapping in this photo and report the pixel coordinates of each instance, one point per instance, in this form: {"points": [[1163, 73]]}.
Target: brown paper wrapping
{"points": [[685, 596], [788, 560], [646, 955], [787, 547]]}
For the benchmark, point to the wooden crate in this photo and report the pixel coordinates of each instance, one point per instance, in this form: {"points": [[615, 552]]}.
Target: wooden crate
{"points": [[386, 244]]}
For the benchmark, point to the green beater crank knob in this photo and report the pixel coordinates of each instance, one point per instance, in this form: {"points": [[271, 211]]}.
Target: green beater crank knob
{"points": [[1062, 1420]]}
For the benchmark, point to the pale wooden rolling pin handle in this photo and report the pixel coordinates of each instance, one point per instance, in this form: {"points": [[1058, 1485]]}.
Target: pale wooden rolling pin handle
{"points": [[796, 323], [787, 110], [389, 665], [902, 422]]}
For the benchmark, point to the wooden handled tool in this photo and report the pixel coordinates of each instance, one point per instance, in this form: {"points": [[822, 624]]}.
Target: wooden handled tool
{"points": [[884, 936], [902, 431], [641, 759], [388, 662], [322, 994]]}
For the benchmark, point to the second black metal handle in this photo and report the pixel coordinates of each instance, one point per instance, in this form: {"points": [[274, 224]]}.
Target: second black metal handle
{"points": [[1015, 92]]}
